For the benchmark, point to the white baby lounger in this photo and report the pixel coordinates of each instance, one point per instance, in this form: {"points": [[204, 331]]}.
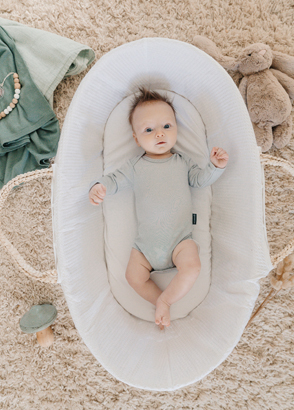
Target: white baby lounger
{"points": [[93, 244]]}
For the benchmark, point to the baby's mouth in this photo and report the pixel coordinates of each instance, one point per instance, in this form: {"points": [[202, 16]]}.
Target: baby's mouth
{"points": [[162, 142]]}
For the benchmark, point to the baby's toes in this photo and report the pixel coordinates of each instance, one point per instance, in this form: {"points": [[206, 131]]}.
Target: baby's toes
{"points": [[162, 313], [165, 321], [158, 319]]}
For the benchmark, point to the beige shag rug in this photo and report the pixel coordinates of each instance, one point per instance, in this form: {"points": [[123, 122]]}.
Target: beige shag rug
{"points": [[259, 373]]}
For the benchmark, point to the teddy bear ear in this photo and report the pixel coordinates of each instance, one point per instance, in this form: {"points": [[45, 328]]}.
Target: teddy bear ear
{"points": [[209, 47], [283, 62]]}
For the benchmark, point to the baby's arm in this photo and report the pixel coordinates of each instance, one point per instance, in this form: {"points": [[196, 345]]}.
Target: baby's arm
{"points": [[116, 181], [203, 177]]}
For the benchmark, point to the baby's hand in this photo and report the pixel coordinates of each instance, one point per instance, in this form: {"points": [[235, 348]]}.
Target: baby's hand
{"points": [[219, 157], [97, 194]]}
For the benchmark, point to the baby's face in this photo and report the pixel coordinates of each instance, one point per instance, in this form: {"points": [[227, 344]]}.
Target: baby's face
{"points": [[155, 122]]}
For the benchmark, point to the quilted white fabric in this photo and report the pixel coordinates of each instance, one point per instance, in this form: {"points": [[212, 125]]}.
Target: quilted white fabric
{"points": [[92, 244]]}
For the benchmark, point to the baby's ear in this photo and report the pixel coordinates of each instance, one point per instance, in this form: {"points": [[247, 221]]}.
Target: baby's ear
{"points": [[135, 138]]}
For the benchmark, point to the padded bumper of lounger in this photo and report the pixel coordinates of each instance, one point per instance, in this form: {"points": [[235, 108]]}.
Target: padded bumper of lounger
{"points": [[133, 350]]}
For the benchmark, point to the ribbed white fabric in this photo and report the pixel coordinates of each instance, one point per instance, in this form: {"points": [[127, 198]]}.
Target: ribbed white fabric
{"points": [[133, 350]]}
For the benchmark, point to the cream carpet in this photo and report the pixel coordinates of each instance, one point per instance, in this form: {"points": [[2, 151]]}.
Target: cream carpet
{"points": [[259, 373]]}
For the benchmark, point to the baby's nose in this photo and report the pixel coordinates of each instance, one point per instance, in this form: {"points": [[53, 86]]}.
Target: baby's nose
{"points": [[159, 133]]}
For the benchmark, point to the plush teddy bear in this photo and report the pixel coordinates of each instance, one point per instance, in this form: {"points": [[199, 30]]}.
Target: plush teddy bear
{"points": [[268, 92]]}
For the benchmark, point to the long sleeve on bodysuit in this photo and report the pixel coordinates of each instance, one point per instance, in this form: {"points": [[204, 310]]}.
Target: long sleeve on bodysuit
{"points": [[203, 177], [119, 179], [124, 176]]}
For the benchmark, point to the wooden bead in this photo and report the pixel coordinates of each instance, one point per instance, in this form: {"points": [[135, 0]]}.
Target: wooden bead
{"points": [[10, 107]]}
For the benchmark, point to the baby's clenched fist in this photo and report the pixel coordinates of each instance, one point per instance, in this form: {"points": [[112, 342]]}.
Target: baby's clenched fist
{"points": [[219, 157], [97, 194]]}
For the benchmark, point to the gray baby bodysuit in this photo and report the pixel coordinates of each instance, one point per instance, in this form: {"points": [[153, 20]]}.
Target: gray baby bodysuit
{"points": [[163, 200]]}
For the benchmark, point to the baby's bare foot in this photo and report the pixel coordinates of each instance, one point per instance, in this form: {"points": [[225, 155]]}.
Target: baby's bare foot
{"points": [[162, 315]]}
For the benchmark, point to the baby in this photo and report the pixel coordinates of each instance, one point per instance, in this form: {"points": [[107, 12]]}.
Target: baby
{"points": [[161, 178]]}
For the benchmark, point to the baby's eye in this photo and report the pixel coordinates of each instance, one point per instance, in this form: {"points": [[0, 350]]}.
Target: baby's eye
{"points": [[151, 128]]}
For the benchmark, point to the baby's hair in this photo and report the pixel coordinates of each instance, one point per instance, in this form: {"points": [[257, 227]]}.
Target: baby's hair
{"points": [[145, 96]]}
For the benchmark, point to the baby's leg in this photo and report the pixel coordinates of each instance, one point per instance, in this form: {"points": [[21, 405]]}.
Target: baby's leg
{"points": [[138, 276], [185, 257]]}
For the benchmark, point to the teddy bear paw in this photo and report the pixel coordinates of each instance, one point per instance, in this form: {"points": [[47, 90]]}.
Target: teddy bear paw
{"points": [[264, 136], [282, 133]]}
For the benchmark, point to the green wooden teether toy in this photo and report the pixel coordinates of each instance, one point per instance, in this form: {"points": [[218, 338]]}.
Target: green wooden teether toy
{"points": [[38, 320]]}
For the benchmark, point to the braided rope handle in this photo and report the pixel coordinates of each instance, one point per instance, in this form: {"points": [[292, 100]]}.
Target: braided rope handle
{"points": [[279, 162], [51, 275]]}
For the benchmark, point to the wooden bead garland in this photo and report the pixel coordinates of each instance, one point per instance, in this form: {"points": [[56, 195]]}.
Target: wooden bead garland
{"points": [[12, 105]]}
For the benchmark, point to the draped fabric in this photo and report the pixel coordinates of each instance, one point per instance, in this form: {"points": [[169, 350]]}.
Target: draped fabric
{"points": [[48, 56], [29, 134]]}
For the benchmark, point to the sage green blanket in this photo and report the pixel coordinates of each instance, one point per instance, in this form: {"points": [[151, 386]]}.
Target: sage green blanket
{"points": [[29, 135]]}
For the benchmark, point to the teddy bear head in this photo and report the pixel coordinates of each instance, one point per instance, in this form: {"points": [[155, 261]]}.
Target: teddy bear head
{"points": [[254, 58]]}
